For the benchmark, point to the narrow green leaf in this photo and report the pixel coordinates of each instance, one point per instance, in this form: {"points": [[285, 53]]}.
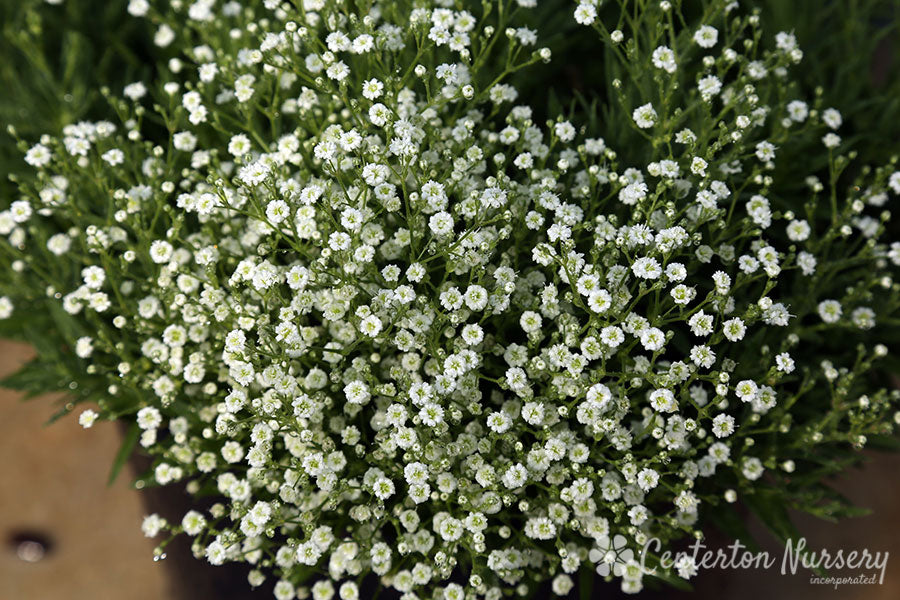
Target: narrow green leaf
{"points": [[675, 582], [772, 512], [59, 414], [128, 444], [769, 506], [730, 523], [554, 105], [586, 582], [890, 443], [34, 378]]}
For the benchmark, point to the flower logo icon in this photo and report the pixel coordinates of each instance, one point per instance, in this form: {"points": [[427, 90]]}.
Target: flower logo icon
{"points": [[611, 555]]}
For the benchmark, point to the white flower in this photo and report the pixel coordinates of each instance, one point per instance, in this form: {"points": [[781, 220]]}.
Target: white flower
{"points": [[564, 131], [663, 58], [499, 422], [38, 156], [703, 356], [682, 294], [652, 339], [184, 141], [515, 476], [784, 362], [152, 525], [647, 479], [6, 307], [379, 114], [863, 317], [372, 89], [441, 224], [612, 336], [239, 145], [138, 8], [193, 522], [701, 324], [599, 301], [831, 140], [663, 400], [476, 297], [644, 116], [135, 91], [20, 211], [686, 566], [371, 326], [698, 166], [283, 590], [540, 528], [723, 426], [709, 86], [752, 468], [798, 231], [232, 452], [706, 36], [84, 347], [149, 418], [832, 118], [830, 311], [746, 390], [585, 13], [357, 392], [734, 329], [797, 110], [646, 268], [472, 334], [87, 418], [765, 151], [632, 193], [161, 251], [277, 211]]}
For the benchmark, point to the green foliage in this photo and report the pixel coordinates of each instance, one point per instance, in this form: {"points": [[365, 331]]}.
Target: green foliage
{"points": [[55, 60]]}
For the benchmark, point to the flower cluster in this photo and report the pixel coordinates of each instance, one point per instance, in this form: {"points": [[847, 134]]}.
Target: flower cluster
{"points": [[340, 275]]}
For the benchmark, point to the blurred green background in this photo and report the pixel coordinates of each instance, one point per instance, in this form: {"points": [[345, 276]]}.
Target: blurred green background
{"points": [[54, 60]]}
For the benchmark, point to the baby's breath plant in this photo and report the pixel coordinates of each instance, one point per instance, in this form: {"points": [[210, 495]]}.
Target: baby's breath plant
{"points": [[336, 271]]}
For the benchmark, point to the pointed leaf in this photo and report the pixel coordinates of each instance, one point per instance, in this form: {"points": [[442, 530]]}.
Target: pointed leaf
{"points": [[128, 444], [730, 523], [586, 582]]}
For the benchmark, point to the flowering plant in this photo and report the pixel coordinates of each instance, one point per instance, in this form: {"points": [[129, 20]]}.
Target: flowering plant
{"points": [[338, 270]]}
